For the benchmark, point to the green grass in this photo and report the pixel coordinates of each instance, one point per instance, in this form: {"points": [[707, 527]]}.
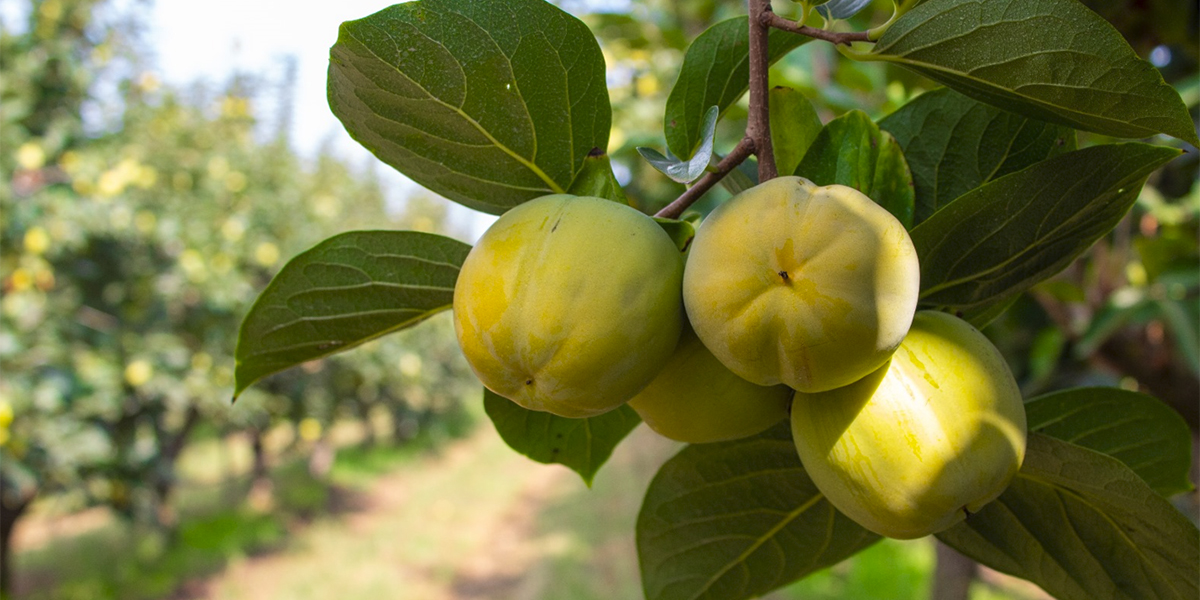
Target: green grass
{"points": [[121, 561], [888, 570], [590, 532], [126, 561], [421, 522]]}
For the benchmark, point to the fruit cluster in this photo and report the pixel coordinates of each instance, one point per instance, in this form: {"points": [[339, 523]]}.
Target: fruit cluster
{"points": [[794, 298]]}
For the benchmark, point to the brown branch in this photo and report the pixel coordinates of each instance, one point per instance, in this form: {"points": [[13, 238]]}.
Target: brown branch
{"points": [[758, 123], [739, 154], [1130, 352], [773, 20]]}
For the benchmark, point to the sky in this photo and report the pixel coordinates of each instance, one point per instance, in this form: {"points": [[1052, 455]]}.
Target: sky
{"points": [[195, 40], [208, 39]]}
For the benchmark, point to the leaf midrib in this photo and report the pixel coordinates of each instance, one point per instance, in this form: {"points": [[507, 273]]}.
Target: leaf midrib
{"points": [[527, 163], [1076, 116], [1060, 490], [1136, 175], [341, 345], [741, 558]]}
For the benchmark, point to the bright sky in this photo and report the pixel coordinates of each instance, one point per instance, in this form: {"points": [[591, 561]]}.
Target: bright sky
{"points": [[210, 39], [195, 39]]}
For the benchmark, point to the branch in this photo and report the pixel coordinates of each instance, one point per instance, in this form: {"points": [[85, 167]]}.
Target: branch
{"points": [[758, 123], [771, 19], [739, 154]]}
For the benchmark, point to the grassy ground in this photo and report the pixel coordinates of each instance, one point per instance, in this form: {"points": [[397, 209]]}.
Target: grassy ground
{"points": [[472, 521]]}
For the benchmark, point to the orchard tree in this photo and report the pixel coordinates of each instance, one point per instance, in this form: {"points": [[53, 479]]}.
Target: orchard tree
{"points": [[131, 244], [815, 337]]}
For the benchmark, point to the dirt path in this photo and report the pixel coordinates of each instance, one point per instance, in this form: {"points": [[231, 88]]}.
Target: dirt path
{"points": [[458, 526]]}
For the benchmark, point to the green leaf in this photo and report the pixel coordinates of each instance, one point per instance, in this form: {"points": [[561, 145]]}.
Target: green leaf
{"points": [[954, 144], [741, 177], [347, 290], [737, 519], [1053, 60], [581, 445], [596, 179], [716, 70], [794, 126], [1128, 306], [681, 232], [1001, 238], [851, 150], [1139, 430], [982, 316], [489, 103], [1083, 526], [686, 171], [1182, 328]]}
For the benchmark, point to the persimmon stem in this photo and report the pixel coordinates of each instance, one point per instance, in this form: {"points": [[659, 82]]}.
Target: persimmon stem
{"points": [[758, 123], [770, 19], [739, 154], [757, 140]]}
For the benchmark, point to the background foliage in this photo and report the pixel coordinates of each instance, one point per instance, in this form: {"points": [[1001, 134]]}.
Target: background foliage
{"points": [[133, 241]]}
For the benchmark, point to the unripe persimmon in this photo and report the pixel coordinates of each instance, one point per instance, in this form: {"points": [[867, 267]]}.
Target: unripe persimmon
{"points": [[696, 399], [924, 441], [569, 304], [813, 287]]}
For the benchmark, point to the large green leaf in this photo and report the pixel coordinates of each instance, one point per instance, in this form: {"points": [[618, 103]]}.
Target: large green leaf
{"points": [[579, 444], [1138, 430], [954, 144], [1001, 238], [737, 519], [715, 71], [1083, 526], [851, 150], [1053, 60], [342, 292], [489, 103]]}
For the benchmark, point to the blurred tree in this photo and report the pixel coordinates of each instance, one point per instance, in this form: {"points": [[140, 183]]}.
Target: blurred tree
{"points": [[131, 244]]}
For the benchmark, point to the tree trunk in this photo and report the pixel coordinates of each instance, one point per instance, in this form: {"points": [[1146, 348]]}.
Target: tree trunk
{"points": [[165, 515], [404, 424], [9, 515], [262, 491], [953, 576], [321, 460], [364, 416]]}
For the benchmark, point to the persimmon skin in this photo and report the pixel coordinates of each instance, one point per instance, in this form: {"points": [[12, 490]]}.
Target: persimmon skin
{"points": [[809, 286], [569, 304], [924, 441], [695, 399]]}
